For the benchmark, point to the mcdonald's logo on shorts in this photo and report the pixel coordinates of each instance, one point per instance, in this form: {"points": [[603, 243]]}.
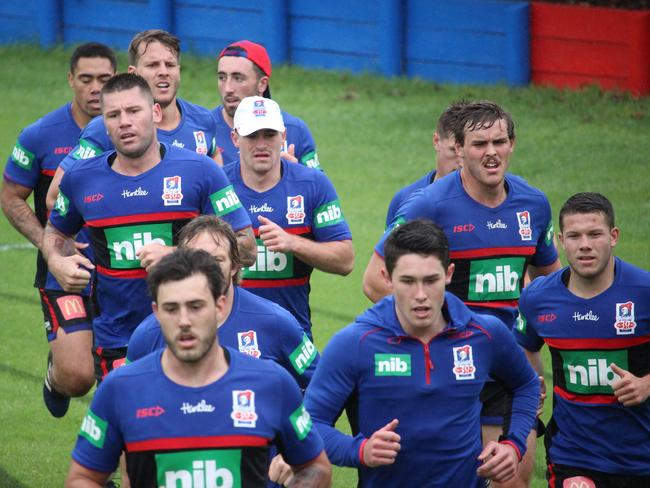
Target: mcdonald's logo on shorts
{"points": [[578, 482], [72, 307]]}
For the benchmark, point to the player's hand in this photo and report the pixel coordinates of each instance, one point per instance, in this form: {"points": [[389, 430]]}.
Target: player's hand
{"points": [[542, 395], [217, 157], [289, 154], [279, 471], [274, 237], [630, 390], [382, 447], [150, 254], [71, 271], [499, 462]]}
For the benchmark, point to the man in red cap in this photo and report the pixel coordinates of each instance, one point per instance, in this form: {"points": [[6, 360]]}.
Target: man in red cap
{"points": [[243, 70]]}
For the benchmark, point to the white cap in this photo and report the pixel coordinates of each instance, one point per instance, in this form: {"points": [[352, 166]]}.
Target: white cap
{"points": [[256, 113]]}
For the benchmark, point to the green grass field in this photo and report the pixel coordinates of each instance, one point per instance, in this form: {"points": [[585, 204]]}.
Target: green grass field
{"points": [[373, 136]]}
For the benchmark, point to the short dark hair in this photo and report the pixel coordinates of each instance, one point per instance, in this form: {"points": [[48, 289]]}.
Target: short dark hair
{"points": [[153, 35], [481, 115], [588, 202], [182, 264], [126, 81], [449, 119], [92, 50], [421, 237], [218, 229]]}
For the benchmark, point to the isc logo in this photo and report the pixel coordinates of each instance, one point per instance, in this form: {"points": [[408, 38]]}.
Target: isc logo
{"points": [[203, 474]]}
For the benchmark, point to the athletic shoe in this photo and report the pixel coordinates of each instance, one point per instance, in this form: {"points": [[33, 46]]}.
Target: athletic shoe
{"points": [[55, 402]]}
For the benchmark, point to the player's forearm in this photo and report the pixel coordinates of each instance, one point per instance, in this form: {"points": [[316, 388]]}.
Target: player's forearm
{"points": [[336, 257], [56, 244], [22, 217], [317, 474]]}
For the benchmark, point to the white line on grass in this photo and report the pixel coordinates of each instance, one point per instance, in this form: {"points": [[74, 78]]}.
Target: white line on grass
{"points": [[12, 247]]}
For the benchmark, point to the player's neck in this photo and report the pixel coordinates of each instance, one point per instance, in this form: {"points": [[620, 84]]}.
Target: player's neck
{"points": [[230, 299], [592, 286], [261, 182], [485, 195], [80, 117], [128, 166], [171, 116], [195, 374], [226, 116]]}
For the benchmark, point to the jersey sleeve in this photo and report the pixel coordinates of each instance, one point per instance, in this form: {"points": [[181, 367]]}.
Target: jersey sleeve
{"points": [[511, 367], [306, 152], [300, 355], [146, 338], [100, 442], [221, 199], [333, 382], [329, 223], [65, 216], [414, 207], [524, 331], [545, 252], [24, 165], [297, 440]]}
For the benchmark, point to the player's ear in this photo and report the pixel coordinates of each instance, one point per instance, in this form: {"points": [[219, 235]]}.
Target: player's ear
{"points": [[154, 307], [262, 85], [613, 235], [450, 273], [70, 78], [436, 141], [386, 277], [130, 69], [157, 113], [234, 137]]}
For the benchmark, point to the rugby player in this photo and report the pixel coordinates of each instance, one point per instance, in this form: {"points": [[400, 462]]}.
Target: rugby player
{"points": [[165, 188], [34, 159], [244, 70], [499, 229], [196, 413], [594, 315], [295, 212], [410, 371]]}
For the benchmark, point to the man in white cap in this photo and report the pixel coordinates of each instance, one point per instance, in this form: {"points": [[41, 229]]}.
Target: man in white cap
{"points": [[244, 70], [296, 213]]}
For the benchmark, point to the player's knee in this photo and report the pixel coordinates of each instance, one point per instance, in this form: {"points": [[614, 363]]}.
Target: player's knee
{"points": [[74, 380]]}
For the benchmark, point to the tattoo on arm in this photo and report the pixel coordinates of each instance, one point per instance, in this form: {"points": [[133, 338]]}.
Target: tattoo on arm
{"points": [[20, 214], [311, 476]]}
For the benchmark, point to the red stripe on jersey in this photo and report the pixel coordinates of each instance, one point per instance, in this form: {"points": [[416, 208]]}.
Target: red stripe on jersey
{"points": [[572, 397], [122, 273], [47, 172], [141, 218], [55, 325], [493, 252], [501, 304], [595, 343], [198, 442], [273, 283], [290, 230]]}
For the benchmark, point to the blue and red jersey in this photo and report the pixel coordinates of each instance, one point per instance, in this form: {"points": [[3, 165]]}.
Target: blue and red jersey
{"points": [[215, 435], [255, 326], [303, 203], [297, 133], [38, 152], [197, 132], [402, 195], [124, 213], [490, 247], [589, 428], [377, 372]]}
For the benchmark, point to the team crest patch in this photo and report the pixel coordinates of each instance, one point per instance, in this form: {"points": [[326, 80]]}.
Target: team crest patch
{"points": [[243, 408], [259, 110], [201, 143], [296, 209], [172, 193], [625, 324], [247, 343], [464, 368], [523, 219]]}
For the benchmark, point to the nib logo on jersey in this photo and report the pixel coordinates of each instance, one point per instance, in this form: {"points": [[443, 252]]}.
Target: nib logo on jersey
{"points": [[22, 157], [495, 279], [86, 150], [392, 365], [123, 243], [328, 214], [303, 355], [269, 264], [301, 421], [93, 429], [199, 469], [590, 372], [225, 201]]}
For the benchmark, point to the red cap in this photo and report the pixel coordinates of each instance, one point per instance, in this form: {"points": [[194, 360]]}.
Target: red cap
{"points": [[254, 52]]}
